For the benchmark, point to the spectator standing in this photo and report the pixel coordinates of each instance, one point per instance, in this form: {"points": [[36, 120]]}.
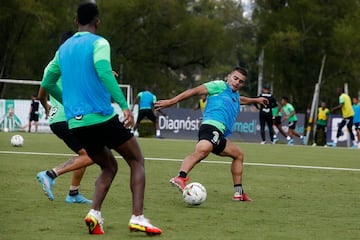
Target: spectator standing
{"points": [[34, 112], [265, 114], [321, 124]]}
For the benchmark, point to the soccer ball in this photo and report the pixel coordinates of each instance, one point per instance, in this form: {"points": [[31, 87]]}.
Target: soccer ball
{"points": [[17, 140], [194, 193]]}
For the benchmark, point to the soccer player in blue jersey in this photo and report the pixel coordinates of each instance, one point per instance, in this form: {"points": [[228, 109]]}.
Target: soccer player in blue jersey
{"points": [[356, 107], [146, 100], [88, 85], [222, 108]]}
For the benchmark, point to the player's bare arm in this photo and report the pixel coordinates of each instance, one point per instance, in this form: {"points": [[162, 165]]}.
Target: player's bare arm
{"points": [[258, 100], [182, 96]]}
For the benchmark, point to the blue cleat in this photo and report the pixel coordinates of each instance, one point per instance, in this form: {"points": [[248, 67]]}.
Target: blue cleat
{"points": [[331, 144], [47, 183], [304, 140], [78, 198], [290, 142]]}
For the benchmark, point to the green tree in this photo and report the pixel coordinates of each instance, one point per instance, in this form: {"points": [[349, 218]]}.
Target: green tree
{"points": [[296, 35]]}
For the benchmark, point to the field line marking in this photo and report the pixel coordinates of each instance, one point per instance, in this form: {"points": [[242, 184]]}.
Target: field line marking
{"points": [[205, 161]]}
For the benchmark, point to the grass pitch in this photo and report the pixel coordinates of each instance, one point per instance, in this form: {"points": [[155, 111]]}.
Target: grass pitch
{"points": [[299, 192]]}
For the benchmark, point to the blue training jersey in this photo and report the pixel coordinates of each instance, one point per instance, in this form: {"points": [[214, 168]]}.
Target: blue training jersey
{"points": [[357, 113], [223, 106], [147, 99], [78, 72]]}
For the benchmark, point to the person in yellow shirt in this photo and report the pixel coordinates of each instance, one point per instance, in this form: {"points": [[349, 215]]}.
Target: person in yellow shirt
{"points": [[321, 124], [347, 112]]}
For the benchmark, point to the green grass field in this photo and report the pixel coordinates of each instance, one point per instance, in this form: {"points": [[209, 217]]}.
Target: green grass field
{"points": [[299, 192]]}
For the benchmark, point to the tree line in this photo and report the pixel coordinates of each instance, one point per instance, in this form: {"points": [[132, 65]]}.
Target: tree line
{"points": [[170, 46]]}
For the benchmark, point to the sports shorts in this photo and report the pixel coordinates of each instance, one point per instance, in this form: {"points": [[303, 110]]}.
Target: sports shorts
{"points": [[149, 113], [61, 129], [111, 134], [292, 125], [213, 135]]}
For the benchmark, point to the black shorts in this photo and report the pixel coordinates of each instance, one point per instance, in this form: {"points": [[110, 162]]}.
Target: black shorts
{"points": [[149, 113], [34, 117], [277, 120], [292, 125], [61, 129], [213, 135], [357, 126], [111, 134]]}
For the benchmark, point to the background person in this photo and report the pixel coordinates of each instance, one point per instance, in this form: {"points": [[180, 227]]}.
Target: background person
{"points": [[289, 114], [146, 100], [34, 112], [265, 114], [356, 107], [347, 116], [321, 124]]}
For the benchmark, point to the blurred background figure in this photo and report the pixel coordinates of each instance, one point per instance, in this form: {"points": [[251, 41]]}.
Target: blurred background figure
{"points": [[34, 112], [321, 125]]}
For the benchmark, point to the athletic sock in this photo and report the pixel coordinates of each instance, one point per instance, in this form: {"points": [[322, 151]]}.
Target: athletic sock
{"points": [[238, 188], [73, 192], [182, 174], [51, 173]]}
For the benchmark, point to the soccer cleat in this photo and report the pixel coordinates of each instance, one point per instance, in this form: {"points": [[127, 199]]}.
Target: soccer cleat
{"points": [[244, 197], [304, 140], [275, 139], [179, 182], [142, 224], [78, 198], [290, 141], [47, 183], [331, 144], [263, 142], [94, 225]]}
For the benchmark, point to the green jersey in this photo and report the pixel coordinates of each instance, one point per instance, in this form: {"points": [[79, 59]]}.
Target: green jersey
{"points": [[57, 113], [287, 109]]}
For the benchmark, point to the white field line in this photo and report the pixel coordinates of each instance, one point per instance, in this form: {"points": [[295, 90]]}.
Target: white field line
{"points": [[204, 161]]}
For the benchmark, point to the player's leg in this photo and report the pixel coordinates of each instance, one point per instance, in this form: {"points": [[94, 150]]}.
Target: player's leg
{"points": [[130, 150], [237, 155], [108, 164], [152, 117], [76, 164], [270, 128], [262, 128]]}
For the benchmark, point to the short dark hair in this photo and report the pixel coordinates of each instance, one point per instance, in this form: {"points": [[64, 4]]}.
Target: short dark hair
{"points": [[241, 70], [87, 12], [286, 99]]}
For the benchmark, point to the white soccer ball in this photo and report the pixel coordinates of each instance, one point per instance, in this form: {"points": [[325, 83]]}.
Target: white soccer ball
{"points": [[17, 140], [194, 193]]}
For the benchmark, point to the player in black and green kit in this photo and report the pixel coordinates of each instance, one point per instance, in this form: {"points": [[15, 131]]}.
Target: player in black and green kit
{"points": [[58, 125]]}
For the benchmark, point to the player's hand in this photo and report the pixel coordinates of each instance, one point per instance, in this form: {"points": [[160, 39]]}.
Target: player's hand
{"points": [[263, 101], [162, 104], [128, 119]]}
